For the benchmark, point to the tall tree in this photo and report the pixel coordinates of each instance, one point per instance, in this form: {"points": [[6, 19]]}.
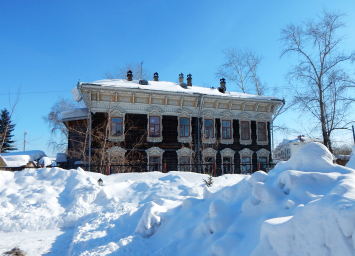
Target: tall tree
{"points": [[6, 129], [320, 79], [241, 67]]}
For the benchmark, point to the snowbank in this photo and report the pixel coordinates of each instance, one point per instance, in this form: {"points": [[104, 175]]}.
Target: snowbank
{"points": [[305, 206], [351, 163]]}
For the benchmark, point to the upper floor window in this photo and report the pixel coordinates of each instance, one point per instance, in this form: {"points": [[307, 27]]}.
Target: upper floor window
{"points": [[262, 131], [154, 126], [116, 126], [245, 130], [226, 129], [184, 127], [208, 128]]}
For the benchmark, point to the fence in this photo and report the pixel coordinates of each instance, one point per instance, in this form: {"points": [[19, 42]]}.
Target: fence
{"points": [[209, 168]]}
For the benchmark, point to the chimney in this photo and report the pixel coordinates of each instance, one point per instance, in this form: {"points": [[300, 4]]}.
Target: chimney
{"points": [[156, 77], [222, 88], [189, 78], [129, 75], [181, 78]]}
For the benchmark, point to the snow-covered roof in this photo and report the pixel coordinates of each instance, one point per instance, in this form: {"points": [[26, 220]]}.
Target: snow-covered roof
{"points": [[297, 139], [171, 87], [74, 114], [21, 158]]}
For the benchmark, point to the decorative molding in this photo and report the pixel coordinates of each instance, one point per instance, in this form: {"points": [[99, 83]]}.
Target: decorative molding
{"points": [[184, 152], [226, 116], [155, 111], [108, 98], [184, 112], [246, 152], [209, 152], [227, 152], [263, 153], [244, 116], [208, 105], [158, 101], [189, 103], [117, 112], [116, 152], [141, 100], [223, 105], [173, 102], [262, 117], [249, 108], [208, 114], [155, 151]]}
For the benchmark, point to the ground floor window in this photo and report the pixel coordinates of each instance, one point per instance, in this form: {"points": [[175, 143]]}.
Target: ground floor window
{"points": [[185, 163], [246, 165], [227, 165], [154, 163], [208, 164], [263, 163]]}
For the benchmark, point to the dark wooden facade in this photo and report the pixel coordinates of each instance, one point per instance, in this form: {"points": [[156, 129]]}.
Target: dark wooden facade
{"points": [[136, 139]]}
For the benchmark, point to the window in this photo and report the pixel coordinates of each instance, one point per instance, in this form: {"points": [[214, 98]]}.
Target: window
{"points": [[185, 163], [245, 130], [227, 165], [208, 128], [154, 162], [263, 163], [116, 126], [246, 165], [262, 131], [154, 126], [184, 127], [226, 129], [209, 165]]}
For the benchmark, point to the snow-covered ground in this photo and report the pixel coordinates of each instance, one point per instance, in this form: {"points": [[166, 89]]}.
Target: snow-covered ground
{"points": [[305, 206]]}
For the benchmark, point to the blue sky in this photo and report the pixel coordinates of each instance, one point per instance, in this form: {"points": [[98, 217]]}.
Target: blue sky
{"points": [[47, 46]]}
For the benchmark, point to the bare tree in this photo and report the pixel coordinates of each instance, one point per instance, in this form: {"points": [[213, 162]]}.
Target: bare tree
{"points": [[139, 72], [59, 131], [320, 79], [241, 67]]}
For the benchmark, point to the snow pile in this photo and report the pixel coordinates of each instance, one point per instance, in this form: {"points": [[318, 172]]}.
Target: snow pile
{"points": [[21, 158], [351, 163], [305, 206]]}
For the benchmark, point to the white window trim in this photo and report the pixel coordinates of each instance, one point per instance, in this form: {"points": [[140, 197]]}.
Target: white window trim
{"points": [[244, 117], [263, 153], [155, 151], [246, 152], [208, 114], [265, 119], [227, 152], [119, 114], [226, 116], [184, 152], [155, 111], [184, 113], [209, 152]]}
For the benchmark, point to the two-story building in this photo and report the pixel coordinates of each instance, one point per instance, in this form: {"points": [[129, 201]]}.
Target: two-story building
{"points": [[156, 122]]}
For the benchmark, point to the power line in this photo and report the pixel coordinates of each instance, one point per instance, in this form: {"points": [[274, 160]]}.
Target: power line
{"points": [[11, 93]]}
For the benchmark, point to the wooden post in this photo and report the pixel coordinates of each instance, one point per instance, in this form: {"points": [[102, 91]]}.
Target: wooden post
{"points": [[215, 169], [258, 166], [164, 166], [107, 169]]}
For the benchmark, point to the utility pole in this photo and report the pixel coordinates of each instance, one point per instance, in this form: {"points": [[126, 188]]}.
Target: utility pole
{"points": [[24, 141], [353, 134], [141, 70]]}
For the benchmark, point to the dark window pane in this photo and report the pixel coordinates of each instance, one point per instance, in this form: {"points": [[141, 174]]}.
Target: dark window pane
{"points": [[208, 122], [184, 121], [261, 131], [245, 131]]}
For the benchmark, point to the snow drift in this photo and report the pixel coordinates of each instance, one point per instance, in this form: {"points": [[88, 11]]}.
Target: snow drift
{"points": [[305, 206]]}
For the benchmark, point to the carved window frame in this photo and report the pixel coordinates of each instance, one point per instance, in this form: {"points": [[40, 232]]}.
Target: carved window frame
{"points": [[184, 113], [226, 116], [184, 152], [117, 152], [116, 114], [263, 153], [227, 152], [262, 118], [246, 152], [155, 112], [208, 115], [155, 152], [208, 152], [244, 117]]}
